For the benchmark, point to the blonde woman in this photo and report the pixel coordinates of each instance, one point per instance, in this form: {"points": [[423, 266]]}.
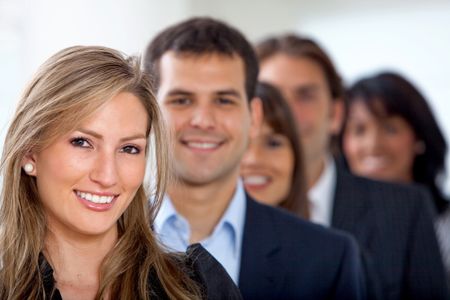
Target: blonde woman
{"points": [[75, 220]]}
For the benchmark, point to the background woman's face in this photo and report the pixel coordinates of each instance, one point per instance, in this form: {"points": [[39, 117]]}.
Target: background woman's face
{"points": [[267, 166], [87, 178], [380, 148]]}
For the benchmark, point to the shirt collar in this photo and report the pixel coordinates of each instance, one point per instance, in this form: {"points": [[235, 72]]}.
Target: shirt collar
{"points": [[234, 215], [166, 212], [321, 194]]}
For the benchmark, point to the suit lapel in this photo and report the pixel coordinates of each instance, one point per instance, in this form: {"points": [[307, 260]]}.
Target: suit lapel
{"points": [[351, 206], [260, 272]]}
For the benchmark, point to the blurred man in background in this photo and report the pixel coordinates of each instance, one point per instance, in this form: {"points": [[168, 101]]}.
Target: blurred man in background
{"points": [[392, 223]]}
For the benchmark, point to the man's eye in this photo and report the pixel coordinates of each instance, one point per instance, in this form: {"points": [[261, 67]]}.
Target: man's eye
{"points": [[131, 149], [180, 101], [80, 142], [306, 96], [225, 101]]}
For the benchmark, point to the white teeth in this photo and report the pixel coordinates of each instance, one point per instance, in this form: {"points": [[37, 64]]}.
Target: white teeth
{"points": [[375, 162], [256, 180], [95, 198], [202, 145]]}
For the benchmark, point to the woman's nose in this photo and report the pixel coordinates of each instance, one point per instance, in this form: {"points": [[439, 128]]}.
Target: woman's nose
{"points": [[104, 170]]}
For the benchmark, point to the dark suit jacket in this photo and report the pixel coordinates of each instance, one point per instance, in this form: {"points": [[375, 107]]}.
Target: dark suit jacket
{"points": [[393, 225], [284, 257]]}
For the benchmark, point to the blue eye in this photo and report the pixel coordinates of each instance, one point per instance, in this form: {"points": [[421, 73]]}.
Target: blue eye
{"points": [[80, 142], [131, 149]]}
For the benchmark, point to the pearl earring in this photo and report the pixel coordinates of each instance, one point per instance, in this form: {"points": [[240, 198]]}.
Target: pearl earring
{"points": [[28, 168]]}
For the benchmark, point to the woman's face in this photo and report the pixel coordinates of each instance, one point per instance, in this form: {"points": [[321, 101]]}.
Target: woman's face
{"points": [[379, 148], [87, 178], [267, 166]]}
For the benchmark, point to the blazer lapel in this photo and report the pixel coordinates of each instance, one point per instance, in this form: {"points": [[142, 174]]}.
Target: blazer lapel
{"points": [[261, 274], [351, 206]]}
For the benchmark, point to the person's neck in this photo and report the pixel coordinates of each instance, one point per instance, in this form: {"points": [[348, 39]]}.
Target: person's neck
{"points": [[203, 205], [314, 169], [76, 259]]}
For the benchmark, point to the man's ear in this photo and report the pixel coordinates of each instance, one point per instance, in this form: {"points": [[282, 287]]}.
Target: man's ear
{"points": [[337, 116], [29, 164], [257, 115]]}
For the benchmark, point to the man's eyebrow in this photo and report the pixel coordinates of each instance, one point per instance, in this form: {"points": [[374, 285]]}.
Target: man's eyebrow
{"points": [[229, 92], [312, 87], [177, 91], [225, 92]]}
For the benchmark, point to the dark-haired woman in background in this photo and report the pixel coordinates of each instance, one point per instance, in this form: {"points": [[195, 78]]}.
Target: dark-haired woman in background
{"points": [[272, 168], [390, 134]]}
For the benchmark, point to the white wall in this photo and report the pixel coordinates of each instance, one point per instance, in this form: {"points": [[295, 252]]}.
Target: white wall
{"points": [[11, 52], [126, 25], [256, 18]]}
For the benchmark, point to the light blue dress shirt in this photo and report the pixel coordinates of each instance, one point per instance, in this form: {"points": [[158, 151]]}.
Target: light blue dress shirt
{"points": [[225, 241]]}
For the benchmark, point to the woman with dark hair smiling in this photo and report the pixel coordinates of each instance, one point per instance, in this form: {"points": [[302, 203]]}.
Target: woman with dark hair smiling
{"points": [[390, 134], [272, 168]]}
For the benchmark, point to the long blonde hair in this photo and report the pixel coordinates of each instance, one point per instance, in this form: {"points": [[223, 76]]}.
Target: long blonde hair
{"points": [[67, 89]]}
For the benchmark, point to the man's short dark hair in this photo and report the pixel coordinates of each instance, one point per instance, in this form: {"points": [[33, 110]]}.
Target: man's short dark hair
{"points": [[297, 46], [199, 36]]}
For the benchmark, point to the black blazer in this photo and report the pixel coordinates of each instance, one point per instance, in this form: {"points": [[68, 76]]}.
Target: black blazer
{"points": [[393, 226], [201, 266], [284, 257]]}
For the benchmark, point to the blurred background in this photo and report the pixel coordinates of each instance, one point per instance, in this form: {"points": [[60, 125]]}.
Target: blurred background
{"points": [[363, 37]]}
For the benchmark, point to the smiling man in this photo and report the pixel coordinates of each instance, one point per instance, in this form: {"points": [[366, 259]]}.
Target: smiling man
{"points": [[205, 74]]}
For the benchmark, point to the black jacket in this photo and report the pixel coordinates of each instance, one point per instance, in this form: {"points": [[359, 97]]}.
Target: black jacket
{"points": [[284, 257], [393, 225], [200, 265]]}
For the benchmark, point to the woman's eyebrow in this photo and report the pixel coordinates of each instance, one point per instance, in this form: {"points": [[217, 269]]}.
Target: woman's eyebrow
{"points": [[100, 137]]}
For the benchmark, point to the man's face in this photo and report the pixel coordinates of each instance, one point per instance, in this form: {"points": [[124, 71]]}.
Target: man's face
{"points": [[304, 85], [204, 102]]}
